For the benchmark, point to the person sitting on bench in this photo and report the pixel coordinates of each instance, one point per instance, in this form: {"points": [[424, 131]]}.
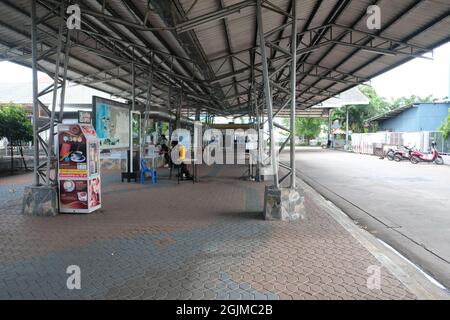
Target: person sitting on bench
{"points": [[164, 150], [184, 172]]}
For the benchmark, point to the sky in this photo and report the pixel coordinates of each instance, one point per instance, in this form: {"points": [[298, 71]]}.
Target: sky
{"points": [[418, 77]]}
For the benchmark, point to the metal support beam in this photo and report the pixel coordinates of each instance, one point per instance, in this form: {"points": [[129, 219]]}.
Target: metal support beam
{"points": [[267, 93], [45, 124], [35, 92], [346, 126], [293, 90], [149, 97]]}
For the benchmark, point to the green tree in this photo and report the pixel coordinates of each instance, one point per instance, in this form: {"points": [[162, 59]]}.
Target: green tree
{"points": [[377, 106], [359, 113], [445, 127], [15, 126], [306, 127]]}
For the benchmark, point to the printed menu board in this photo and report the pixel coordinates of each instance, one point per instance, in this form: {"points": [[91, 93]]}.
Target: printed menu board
{"points": [[73, 194], [78, 168], [72, 152]]}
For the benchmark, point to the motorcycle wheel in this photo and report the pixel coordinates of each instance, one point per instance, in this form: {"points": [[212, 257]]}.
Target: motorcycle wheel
{"points": [[415, 160], [398, 158], [439, 161], [390, 156]]}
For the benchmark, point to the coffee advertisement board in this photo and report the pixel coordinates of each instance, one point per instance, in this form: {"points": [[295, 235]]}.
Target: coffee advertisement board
{"points": [[73, 194], [78, 168], [72, 152]]}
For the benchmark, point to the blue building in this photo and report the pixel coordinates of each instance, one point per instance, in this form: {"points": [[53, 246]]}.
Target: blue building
{"points": [[416, 117]]}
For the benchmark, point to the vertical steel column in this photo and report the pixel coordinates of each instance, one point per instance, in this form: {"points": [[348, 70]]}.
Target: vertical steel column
{"points": [[169, 92], [178, 112], [64, 79], [329, 142], [50, 151], [133, 85], [267, 92], [254, 96], [149, 96], [293, 89], [34, 66], [197, 115], [133, 98], [346, 127], [258, 145]]}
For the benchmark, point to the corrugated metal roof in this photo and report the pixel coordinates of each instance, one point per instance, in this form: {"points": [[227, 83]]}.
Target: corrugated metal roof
{"points": [[391, 114], [399, 110], [191, 58]]}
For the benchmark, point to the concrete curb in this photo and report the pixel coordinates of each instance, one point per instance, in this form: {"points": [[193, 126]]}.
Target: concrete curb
{"points": [[405, 271]]}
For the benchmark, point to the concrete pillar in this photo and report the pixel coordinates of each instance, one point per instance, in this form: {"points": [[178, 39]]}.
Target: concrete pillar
{"points": [[285, 204], [40, 201]]}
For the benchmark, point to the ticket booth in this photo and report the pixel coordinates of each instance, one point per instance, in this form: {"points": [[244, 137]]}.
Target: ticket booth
{"points": [[78, 168]]}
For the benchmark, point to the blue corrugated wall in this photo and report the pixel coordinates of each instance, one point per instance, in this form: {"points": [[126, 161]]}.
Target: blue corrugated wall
{"points": [[421, 117]]}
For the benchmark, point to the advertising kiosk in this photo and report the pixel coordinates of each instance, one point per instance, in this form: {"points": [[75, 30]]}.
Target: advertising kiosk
{"points": [[78, 168]]}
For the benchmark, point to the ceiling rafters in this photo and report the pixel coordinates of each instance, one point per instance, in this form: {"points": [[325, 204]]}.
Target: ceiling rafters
{"points": [[358, 20], [111, 11], [130, 21], [388, 25], [229, 45], [27, 36]]}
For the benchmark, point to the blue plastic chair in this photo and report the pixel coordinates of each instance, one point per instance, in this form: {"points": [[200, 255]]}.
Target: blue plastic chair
{"points": [[145, 169]]}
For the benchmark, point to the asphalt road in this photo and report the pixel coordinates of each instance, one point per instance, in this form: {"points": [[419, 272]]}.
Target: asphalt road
{"points": [[405, 205]]}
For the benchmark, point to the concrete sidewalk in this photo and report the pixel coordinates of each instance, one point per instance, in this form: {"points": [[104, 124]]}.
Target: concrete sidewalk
{"points": [[201, 241], [403, 204]]}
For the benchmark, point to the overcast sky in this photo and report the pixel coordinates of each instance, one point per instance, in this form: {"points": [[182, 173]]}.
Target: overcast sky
{"points": [[418, 77]]}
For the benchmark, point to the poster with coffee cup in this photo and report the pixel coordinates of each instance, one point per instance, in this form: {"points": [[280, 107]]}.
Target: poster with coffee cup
{"points": [[72, 152], [73, 194]]}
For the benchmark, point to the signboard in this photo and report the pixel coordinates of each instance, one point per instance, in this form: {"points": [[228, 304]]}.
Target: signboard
{"points": [[72, 152], [78, 168], [94, 192], [84, 117], [112, 123], [135, 143], [136, 129], [73, 194]]}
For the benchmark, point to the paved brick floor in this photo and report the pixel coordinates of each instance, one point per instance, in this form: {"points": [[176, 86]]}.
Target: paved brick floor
{"points": [[168, 241]]}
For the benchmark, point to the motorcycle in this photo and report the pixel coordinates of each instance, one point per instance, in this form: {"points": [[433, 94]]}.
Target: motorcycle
{"points": [[404, 153], [434, 156]]}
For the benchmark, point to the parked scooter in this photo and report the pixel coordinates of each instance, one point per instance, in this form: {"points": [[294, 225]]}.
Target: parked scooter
{"points": [[404, 153], [417, 156], [390, 154]]}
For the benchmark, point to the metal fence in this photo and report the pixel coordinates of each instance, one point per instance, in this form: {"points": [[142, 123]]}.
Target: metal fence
{"points": [[27, 151], [370, 143]]}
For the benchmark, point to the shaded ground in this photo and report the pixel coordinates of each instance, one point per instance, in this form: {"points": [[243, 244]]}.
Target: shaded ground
{"points": [[168, 241]]}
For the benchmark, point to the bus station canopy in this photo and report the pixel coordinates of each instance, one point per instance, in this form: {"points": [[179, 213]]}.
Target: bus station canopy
{"points": [[208, 50]]}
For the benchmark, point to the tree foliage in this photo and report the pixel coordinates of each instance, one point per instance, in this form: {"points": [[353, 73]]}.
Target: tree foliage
{"points": [[14, 124], [306, 127], [445, 127], [377, 106]]}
